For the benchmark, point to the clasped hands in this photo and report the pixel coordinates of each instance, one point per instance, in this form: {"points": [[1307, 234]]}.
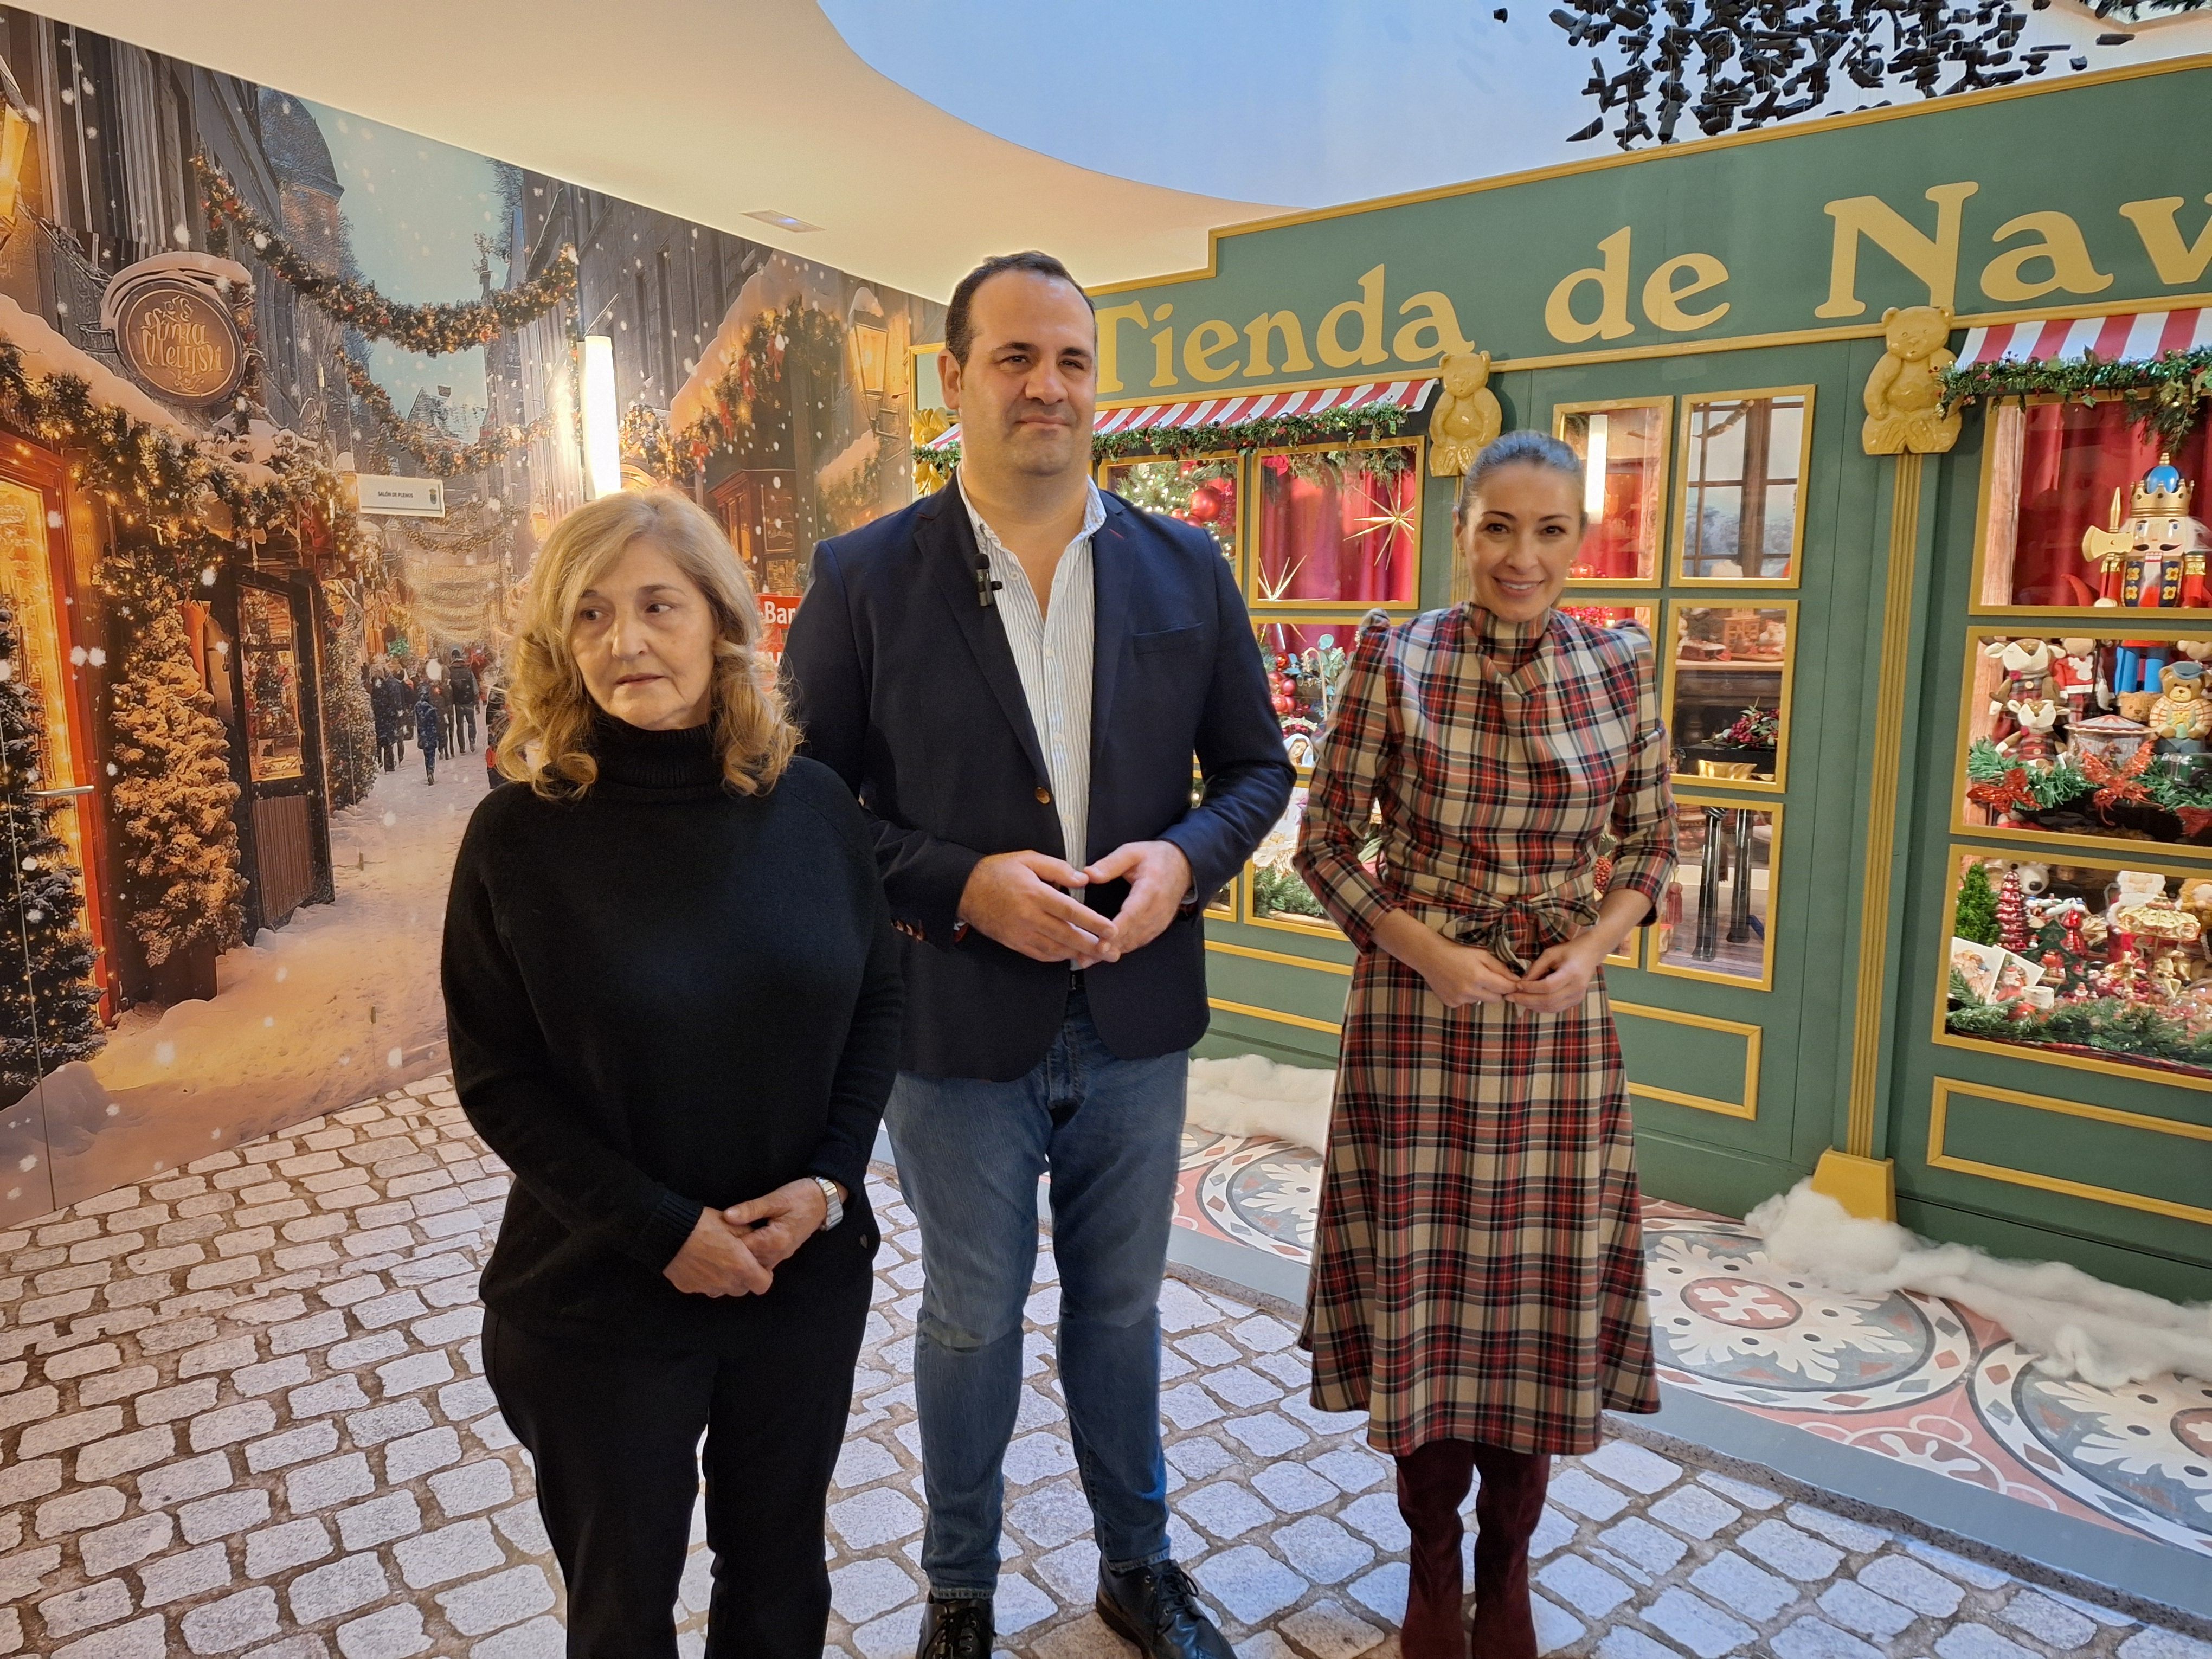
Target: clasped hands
{"points": [[736, 1251], [1462, 974], [1027, 903]]}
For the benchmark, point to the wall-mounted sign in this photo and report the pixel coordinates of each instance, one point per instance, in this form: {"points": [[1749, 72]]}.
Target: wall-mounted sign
{"points": [[400, 498], [180, 340], [776, 611]]}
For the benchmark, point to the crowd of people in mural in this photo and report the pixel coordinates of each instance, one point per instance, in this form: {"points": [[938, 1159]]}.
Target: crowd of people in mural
{"points": [[435, 705]]}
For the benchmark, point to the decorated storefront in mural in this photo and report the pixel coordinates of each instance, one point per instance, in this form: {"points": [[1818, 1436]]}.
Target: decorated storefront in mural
{"points": [[287, 399], [1897, 450]]}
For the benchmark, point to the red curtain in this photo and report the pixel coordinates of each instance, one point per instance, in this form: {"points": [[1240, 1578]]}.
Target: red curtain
{"points": [[1336, 537], [2073, 456], [1612, 550]]}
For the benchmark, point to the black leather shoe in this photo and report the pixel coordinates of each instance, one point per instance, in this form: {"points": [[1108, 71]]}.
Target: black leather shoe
{"points": [[1157, 1608], [956, 1629]]}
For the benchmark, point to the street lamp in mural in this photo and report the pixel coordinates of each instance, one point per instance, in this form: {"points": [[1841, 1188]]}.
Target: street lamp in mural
{"points": [[1732, 65], [871, 346], [14, 141]]}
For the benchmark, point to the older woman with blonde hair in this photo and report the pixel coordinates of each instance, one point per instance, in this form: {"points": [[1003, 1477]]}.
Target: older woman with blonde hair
{"points": [[673, 999]]}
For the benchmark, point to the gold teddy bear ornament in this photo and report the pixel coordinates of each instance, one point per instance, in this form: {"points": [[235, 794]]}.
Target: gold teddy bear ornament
{"points": [[1466, 417], [1904, 393]]}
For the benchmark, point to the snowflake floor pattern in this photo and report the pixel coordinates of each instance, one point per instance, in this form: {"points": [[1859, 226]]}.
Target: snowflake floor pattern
{"points": [[1907, 1377], [242, 1413]]}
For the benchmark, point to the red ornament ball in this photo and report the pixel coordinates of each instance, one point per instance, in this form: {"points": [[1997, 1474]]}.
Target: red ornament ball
{"points": [[1204, 506]]}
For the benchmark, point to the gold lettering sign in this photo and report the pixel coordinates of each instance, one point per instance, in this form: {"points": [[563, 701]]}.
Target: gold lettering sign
{"points": [[181, 342]]}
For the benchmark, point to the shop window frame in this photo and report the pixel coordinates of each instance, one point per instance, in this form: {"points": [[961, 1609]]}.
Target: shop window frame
{"points": [[1665, 405], [1347, 621], [1678, 528], [1981, 633], [2032, 1053], [1664, 647], [1256, 459], [1652, 953], [1240, 469], [1984, 501]]}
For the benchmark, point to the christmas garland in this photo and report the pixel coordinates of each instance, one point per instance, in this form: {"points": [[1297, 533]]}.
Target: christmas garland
{"points": [[1328, 425], [163, 487], [2111, 1026], [2003, 785], [500, 524], [444, 458], [746, 396], [2165, 391], [435, 330], [647, 444]]}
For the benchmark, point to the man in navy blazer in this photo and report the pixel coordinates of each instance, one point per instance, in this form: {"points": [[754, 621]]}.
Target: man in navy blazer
{"points": [[1015, 675]]}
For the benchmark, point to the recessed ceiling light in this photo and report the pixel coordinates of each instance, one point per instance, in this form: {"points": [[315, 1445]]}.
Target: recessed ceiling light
{"points": [[782, 220]]}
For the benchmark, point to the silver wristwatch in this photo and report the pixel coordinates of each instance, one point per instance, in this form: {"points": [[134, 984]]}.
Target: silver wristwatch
{"points": [[835, 1212]]}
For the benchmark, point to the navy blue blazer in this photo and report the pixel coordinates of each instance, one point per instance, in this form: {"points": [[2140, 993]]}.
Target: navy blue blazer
{"points": [[905, 686]]}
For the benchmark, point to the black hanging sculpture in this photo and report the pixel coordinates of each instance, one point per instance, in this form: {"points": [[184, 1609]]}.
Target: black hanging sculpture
{"points": [[1732, 65]]}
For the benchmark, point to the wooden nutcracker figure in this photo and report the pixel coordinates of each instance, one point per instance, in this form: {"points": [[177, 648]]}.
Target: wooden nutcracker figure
{"points": [[2143, 564]]}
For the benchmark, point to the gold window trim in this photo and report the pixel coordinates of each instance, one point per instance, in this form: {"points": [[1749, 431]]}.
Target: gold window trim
{"points": [[1677, 535], [1348, 619], [1985, 505], [2037, 1054], [1979, 635], [1239, 470], [1665, 647], [1765, 980], [1665, 405], [1258, 606]]}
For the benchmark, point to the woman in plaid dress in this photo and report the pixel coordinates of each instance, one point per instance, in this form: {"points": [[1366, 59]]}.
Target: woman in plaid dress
{"points": [[1478, 1282]]}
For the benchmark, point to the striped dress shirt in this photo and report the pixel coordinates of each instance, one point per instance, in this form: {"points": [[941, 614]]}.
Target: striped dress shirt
{"points": [[1053, 646]]}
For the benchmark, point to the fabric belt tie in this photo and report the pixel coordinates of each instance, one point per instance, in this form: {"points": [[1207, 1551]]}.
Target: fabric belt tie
{"points": [[1518, 929]]}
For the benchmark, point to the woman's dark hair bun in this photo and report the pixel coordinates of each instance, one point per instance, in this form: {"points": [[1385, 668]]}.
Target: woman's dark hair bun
{"points": [[1525, 448]]}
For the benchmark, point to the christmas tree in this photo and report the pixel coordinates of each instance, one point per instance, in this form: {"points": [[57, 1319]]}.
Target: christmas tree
{"points": [[1203, 493], [1977, 915], [173, 798], [348, 723], [2012, 915], [49, 1008]]}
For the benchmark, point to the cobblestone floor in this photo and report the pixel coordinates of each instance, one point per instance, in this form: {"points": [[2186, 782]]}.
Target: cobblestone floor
{"points": [[241, 1413]]}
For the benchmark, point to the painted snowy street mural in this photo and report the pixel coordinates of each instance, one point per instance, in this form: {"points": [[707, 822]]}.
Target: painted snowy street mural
{"points": [[287, 401]]}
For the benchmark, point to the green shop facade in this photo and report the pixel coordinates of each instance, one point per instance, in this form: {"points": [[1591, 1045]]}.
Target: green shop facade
{"points": [[1940, 933]]}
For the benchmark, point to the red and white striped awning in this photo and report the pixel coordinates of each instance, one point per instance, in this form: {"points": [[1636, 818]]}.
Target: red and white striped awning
{"points": [[2135, 338], [1199, 412]]}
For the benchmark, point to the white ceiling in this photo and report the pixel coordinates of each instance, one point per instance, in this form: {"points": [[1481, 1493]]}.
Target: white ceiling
{"points": [[715, 109], [707, 109]]}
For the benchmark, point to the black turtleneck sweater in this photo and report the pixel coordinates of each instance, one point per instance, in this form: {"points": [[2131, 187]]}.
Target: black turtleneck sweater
{"points": [[662, 996]]}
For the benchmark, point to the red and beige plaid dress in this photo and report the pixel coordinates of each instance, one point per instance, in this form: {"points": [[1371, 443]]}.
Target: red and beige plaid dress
{"points": [[1477, 1272]]}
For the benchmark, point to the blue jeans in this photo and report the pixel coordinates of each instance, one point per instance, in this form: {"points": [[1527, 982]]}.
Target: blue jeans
{"points": [[1109, 1132]]}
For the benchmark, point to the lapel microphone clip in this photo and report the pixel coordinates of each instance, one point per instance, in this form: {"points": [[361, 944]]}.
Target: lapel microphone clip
{"points": [[984, 586]]}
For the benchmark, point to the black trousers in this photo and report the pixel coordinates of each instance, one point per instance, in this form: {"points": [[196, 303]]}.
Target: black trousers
{"points": [[388, 750], [615, 1435], [464, 725]]}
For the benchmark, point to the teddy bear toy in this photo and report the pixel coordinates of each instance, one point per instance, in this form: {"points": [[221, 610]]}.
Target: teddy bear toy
{"points": [[2181, 719]]}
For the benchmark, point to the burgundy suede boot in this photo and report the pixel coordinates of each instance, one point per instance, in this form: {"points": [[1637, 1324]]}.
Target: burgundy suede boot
{"points": [[1506, 1510], [1433, 1482]]}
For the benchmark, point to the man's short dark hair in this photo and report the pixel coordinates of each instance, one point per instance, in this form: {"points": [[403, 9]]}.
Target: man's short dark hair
{"points": [[959, 324]]}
